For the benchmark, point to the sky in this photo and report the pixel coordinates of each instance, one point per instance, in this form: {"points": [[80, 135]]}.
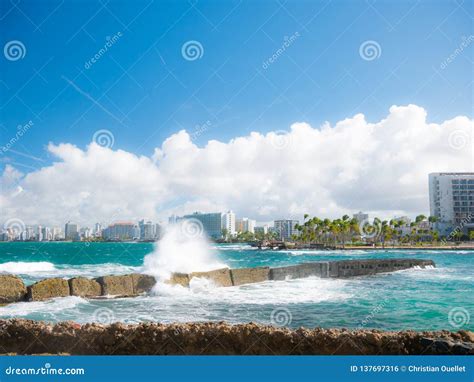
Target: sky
{"points": [[114, 110]]}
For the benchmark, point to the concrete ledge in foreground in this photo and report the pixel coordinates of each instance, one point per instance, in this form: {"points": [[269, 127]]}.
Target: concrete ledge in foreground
{"points": [[18, 336]]}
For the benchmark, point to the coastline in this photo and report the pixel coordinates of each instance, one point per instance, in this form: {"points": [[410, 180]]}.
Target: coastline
{"points": [[19, 336], [460, 247]]}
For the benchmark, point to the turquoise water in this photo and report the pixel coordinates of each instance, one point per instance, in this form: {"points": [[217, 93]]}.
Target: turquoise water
{"points": [[418, 299]]}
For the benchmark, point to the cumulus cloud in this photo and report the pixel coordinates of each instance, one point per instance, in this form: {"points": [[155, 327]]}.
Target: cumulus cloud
{"points": [[329, 170]]}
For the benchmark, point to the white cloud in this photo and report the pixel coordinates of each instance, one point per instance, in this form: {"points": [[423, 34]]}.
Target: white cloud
{"points": [[331, 170]]}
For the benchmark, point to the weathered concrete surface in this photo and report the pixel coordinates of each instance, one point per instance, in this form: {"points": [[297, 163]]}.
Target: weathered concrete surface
{"points": [[220, 277], [48, 288], [20, 336], [12, 289], [249, 275], [84, 287], [346, 268], [142, 283], [116, 285], [298, 271], [323, 269], [179, 279]]}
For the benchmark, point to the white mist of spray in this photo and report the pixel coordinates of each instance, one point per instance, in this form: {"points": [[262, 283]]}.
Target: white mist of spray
{"points": [[183, 248]]}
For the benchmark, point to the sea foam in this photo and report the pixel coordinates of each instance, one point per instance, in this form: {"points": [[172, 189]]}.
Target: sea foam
{"points": [[22, 267], [181, 250]]}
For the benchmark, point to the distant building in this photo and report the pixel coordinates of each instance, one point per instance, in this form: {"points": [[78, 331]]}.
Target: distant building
{"points": [[261, 229], [147, 230], [211, 223], [245, 225], [46, 234], [361, 216], [452, 201], [71, 231], [97, 230], [56, 233], [228, 222], [39, 233], [158, 231], [173, 219], [121, 231], [285, 229], [85, 233]]}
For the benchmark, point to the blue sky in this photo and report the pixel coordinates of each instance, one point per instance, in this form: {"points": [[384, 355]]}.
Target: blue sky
{"points": [[143, 90], [104, 90]]}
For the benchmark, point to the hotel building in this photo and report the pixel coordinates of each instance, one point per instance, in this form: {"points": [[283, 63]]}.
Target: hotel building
{"points": [[452, 201], [211, 223], [121, 231], [228, 222], [285, 228]]}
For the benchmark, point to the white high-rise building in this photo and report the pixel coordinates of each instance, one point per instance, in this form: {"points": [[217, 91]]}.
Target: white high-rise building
{"points": [[286, 228], [228, 222], [97, 230], [452, 201], [147, 230], [39, 233]]}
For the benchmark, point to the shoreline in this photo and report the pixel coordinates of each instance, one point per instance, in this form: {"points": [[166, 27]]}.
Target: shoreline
{"points": [[297, 247], [20, 336]]}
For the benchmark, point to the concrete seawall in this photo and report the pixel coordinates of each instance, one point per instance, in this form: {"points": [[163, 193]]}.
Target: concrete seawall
{"points": [[18, 336], [12, 288], [323, 269]]}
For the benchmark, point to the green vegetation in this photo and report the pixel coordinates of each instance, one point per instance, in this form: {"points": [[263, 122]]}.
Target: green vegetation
{"points": [[344, 230]]}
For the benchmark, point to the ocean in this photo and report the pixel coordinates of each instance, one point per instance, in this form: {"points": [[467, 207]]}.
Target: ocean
{"points": [[417, 299]]}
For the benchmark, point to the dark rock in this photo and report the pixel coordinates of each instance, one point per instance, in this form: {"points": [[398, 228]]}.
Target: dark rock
{"points": [[116, 285], [12, 289], [84, 287], [142, 283], [48, 288]]}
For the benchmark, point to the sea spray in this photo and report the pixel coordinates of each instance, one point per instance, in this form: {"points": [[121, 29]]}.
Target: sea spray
{"points": [[183, 248], [21, 267]]}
